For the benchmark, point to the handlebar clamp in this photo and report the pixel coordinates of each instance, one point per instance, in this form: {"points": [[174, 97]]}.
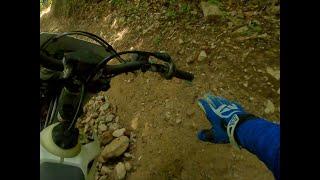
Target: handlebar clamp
{"points": [[170, 72]]}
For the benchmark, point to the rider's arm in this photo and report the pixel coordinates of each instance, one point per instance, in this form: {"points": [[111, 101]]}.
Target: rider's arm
{"points": [[261, 138], [232, 124]]}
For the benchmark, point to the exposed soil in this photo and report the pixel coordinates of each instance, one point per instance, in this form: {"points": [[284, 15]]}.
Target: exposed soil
{"points": [[164, 114]]}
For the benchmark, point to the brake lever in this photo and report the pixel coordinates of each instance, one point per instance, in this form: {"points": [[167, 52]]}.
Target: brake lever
{"points": [[170, 66], [163, 56]]}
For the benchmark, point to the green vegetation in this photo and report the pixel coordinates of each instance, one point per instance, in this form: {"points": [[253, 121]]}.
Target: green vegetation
{"points": [[185, 8], [254, 26], [157, 40], [172, 2], [44, 4], [217, 2], [171, 14], [117, 2]]}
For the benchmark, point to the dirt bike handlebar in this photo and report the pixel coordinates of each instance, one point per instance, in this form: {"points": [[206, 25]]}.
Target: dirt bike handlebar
{"points": [[136, 65], [55, 64]]}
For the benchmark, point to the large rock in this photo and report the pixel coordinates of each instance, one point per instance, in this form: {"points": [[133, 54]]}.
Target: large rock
{"points": [[120, 171], [116, 148], [211, 11]]}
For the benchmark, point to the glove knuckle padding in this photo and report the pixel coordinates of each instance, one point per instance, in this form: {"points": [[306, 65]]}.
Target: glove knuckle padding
{"points": [[219, 112]]}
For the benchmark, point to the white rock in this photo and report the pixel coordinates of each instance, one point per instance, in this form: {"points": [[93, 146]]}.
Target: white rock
{"points": [[190, 60], [99, 165], [230, 24], [103, 178], [104, 107], [168, 115], [202, 56], [109, 118], [269, 107], [128, 155], [278, 91], [120, 171], [105, 170], [118, 132], [116, 120], [260, 71], [210, 11], [95, 115], [134, 123], [241, 30], [113, 126], [128, 166], [102, 127], [275, 122], [178, 121], [101, 159], [101, 119], [117, 147], [180, 41], [194, 12], [274, 72], [86, 128]]}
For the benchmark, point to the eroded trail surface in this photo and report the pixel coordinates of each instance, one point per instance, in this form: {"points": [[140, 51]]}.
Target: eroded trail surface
{"points": [[236, 57]]}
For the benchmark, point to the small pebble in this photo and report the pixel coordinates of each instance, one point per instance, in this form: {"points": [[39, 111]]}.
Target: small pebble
{"points": [[127, 166]]}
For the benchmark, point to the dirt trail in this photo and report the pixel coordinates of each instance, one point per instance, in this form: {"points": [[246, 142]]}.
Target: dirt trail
{"points": [[165, 113]]}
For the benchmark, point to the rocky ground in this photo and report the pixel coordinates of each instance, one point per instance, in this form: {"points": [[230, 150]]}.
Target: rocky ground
{"points": [[148, 125]]}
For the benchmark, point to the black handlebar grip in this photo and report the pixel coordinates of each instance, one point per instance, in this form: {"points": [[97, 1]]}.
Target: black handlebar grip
{"points": [[50, 63], [183, 75]]}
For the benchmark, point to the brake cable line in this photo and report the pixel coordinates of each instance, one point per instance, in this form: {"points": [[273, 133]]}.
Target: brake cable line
{"points": [[75, 117]]}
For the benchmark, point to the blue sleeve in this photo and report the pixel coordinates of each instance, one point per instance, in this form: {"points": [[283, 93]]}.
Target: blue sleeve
{"points": [[262, 138]]}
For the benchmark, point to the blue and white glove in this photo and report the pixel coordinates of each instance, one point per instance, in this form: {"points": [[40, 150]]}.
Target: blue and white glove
{"points": [[223, 116], [231, 123]]}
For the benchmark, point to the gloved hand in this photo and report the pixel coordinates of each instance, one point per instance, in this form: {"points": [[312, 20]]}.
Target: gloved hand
{"points": [[219, 112]]}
